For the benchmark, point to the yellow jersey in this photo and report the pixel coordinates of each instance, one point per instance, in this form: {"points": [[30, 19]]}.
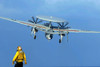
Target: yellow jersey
{"points": [[19, 56]]}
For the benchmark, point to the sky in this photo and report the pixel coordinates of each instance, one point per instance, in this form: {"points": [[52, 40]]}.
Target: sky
{"points": [[81, 50]]}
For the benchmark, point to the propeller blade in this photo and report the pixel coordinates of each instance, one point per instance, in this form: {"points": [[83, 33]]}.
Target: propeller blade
{"points": [[66, 24], [68, 27], [39, 21], [33, 19], [36, 20], [60, 24], [31, 29], [30, 21]]}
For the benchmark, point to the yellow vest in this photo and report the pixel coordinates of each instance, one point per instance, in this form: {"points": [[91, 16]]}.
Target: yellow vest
{"points": [[19, 56]]}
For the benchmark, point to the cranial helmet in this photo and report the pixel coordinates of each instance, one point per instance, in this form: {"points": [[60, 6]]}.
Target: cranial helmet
{"points": [[19, 48]]}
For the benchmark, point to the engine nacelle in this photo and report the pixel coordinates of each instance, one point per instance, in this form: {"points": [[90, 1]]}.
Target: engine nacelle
{"points": [[48, 36], [62, 34], [34, 29]]}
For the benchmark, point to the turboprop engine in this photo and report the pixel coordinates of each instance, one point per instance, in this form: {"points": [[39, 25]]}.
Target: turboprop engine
{"points": [[48, 36]]}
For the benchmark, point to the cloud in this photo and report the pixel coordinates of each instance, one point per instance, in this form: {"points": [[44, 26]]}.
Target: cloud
{"points": [[95, 3], [4, 10], [55, 3], [48, 7], [69, 5]]}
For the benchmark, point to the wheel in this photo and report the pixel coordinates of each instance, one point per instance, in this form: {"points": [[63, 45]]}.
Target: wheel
{"points": [[59, 40], [34, 36], [36, 30]]}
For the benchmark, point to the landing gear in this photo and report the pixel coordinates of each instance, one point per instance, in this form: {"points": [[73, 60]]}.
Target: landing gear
{"points": [[33, 31], [62, 35], [34, 36], [67, 36], [59, 40]]}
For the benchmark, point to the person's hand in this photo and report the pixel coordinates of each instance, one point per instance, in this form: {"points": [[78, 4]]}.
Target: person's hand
{"points": [[12, 62], [25, 62]]}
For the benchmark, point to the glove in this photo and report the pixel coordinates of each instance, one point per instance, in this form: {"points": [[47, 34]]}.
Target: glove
{"points": [[25, 62], [12, 62]]}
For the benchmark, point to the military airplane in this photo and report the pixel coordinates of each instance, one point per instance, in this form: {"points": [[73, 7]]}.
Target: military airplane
{"points": [[48, 27]]}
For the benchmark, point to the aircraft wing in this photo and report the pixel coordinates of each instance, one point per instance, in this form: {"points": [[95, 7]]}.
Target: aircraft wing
{"points": [[45, 28], [65, 31], [17, 21], [82, 31], [38, 26]]}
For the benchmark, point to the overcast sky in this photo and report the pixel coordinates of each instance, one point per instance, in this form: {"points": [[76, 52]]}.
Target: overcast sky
{"points": [[81, 49]]}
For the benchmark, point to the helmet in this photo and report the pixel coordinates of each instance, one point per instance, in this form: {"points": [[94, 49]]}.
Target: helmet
{"points": [[19, 48]]}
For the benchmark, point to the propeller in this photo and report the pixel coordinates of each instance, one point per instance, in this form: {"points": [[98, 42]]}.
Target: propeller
{"points": [[35, 20], [63, 25]]}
